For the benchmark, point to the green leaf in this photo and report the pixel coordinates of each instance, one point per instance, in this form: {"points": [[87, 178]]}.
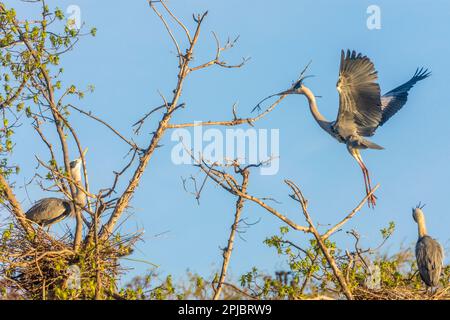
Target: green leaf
{"points": [[59, 14]]}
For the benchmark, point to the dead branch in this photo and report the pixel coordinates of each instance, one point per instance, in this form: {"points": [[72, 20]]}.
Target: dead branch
{"points": [[229, 249], [216, 60], [349, 216], [227, 182], [15, 206], [337, 272], [234, 122], [164, 124]]}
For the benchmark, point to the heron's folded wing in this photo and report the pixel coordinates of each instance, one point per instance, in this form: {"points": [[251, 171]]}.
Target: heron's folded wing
{"points": [[395, 99], [359, 96], [429, 256], [47, 210]]}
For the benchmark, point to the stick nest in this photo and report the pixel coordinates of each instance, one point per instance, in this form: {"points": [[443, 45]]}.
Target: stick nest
{"points": [[44, 267]]}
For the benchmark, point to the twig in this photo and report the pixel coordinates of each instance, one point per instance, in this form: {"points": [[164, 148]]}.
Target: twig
{"points": [[216, 60], [226, 181], [234, 122], [169, 30], [188, 35], [89, 114], [350, 215]]}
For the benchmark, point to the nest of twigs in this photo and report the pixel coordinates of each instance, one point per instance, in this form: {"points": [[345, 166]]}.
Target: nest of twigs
{"points": [[44, 267], [401, 293]]}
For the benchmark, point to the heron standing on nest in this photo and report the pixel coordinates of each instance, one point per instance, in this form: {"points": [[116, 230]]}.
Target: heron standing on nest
{"points": [[48, 211], [429, 253]]}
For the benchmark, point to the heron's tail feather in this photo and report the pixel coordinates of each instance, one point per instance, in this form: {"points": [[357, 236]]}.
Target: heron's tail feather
{"points": [[371, 145]]}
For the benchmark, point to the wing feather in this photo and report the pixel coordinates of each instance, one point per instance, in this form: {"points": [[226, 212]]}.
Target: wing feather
{"points": [[49, 210], [359, 96], [395, 99]]}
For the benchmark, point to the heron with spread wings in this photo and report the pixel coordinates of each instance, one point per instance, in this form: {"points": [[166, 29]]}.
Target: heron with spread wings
{"points": [[362, 109]]}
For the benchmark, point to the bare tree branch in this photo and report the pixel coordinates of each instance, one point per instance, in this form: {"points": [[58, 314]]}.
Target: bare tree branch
{"points": [[124, 199], [337, 272], [90, 115], [234, 122], [15, 205], [350, 215], [229, 249]]}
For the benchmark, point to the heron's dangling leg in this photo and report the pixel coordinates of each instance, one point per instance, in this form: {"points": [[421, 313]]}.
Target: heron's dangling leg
{"points": [[373, 197], [365, 178], [366, 172], [371, 201]]}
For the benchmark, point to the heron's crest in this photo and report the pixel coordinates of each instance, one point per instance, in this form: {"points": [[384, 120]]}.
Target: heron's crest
{"points": [[420, 205]]}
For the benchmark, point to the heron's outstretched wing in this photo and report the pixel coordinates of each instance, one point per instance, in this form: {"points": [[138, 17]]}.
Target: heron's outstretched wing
{"points": [[429, 256], [395, 99], [359, 96]]}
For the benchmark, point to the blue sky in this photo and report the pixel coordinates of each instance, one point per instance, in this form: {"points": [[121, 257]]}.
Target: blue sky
{"points": [[131, 58]]}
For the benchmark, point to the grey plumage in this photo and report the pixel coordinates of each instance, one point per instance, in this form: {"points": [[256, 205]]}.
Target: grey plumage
{"points": [[48, 211], [429, 260], [395, 99], [429, 253], [362, 109], [359, 97]]}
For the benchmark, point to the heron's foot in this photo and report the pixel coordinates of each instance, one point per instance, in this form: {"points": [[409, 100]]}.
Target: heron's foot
{"points": [[372, 201], [432, 291]]}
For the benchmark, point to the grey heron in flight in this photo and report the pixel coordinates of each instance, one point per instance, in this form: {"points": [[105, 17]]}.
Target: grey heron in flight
{"points": [[362, 109], [48, 211], [429, 253]]}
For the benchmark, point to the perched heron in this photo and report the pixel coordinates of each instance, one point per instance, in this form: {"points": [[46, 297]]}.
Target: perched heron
{"points": [[429, 253], [48, 211], [362, 109]]}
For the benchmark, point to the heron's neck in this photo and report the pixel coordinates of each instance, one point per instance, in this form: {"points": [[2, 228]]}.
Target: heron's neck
{"points": [[79, 195], [422, 228], [323, 123]]}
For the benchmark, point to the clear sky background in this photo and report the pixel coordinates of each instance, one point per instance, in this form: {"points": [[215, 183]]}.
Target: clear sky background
{"points": [[132, 57]]}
